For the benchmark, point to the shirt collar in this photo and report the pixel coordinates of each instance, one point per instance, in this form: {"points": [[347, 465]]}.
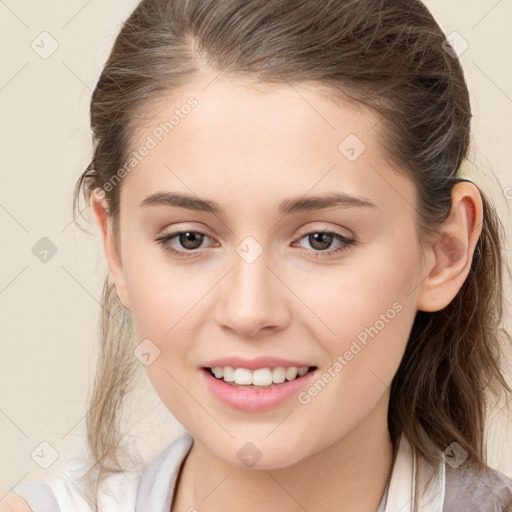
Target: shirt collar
{"points": [[157, 482], [409, 486], [415, 484]]}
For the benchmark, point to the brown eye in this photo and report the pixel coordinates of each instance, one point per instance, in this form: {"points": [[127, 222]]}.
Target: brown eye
{"points": [[187, 242], [321, 240], [191, 239]]}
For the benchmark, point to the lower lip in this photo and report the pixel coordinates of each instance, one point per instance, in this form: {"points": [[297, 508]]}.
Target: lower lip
{"points": [[253, 399]]}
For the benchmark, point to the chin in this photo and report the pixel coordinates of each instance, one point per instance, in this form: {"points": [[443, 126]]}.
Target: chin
{"points": [[249, 452]]}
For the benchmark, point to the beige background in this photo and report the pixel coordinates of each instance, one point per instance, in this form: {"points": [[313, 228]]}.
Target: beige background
{"points": [[49, 310]]}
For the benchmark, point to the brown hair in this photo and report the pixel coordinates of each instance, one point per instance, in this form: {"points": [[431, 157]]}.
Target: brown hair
{"points": [[387, 55]]}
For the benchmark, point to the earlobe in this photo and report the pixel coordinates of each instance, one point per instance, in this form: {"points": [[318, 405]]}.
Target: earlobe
{"points": [[453, 249], [99, 207]]}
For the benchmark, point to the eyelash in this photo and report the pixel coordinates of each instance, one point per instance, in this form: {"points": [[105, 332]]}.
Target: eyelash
{"points": [[163, 241]]}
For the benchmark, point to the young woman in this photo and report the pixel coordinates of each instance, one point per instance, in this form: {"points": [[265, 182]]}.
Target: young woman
{"points": [[314, 291]]}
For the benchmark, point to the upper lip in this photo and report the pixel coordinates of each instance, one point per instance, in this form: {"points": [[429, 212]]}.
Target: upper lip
{"points": [[254, 364]]}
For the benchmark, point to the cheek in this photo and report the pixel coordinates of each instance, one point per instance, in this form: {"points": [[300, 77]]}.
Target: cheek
{"points": [[163, 295], [366, 311], [168, 302], [165, 302], [369, 312]]}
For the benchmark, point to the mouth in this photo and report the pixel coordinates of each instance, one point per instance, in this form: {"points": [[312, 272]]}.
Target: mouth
{"points": [[262, 378], [257, 390]]}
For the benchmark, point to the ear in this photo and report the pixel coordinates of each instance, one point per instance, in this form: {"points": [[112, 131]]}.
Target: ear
{"points": [[99, 206], [451, 254]]}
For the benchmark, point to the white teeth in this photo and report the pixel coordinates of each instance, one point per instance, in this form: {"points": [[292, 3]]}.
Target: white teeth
{"points": [[291, 373], [228, 373], [243, 376], [217, 371], [278, 374], [259, 377]]}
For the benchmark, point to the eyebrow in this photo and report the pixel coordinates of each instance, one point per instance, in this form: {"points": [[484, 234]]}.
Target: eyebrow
{"points": [[286, 207]]}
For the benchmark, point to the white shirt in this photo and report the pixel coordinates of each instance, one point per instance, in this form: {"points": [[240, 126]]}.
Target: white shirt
{"points": [[453, 489]]}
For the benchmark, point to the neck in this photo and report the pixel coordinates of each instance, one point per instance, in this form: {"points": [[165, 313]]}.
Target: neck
{"points": [[348, 476]]}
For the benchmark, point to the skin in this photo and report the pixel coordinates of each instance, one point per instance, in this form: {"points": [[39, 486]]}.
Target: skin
{"points": [[248, 148], [14, 503]]}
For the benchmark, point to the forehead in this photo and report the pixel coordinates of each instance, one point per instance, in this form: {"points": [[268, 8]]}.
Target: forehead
{"points": [[262, 142]]}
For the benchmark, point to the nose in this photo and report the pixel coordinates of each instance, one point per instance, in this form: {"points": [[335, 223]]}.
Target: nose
{"points": [[252, 298]]}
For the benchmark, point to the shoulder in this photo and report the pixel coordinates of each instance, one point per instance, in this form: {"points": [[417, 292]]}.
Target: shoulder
{"points": [[14, 503], [71, 490], [475, 488], [74, 487], [36, 495]]}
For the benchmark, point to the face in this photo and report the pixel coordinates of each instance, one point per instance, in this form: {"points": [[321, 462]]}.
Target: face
{"points": [[274, 271]]}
